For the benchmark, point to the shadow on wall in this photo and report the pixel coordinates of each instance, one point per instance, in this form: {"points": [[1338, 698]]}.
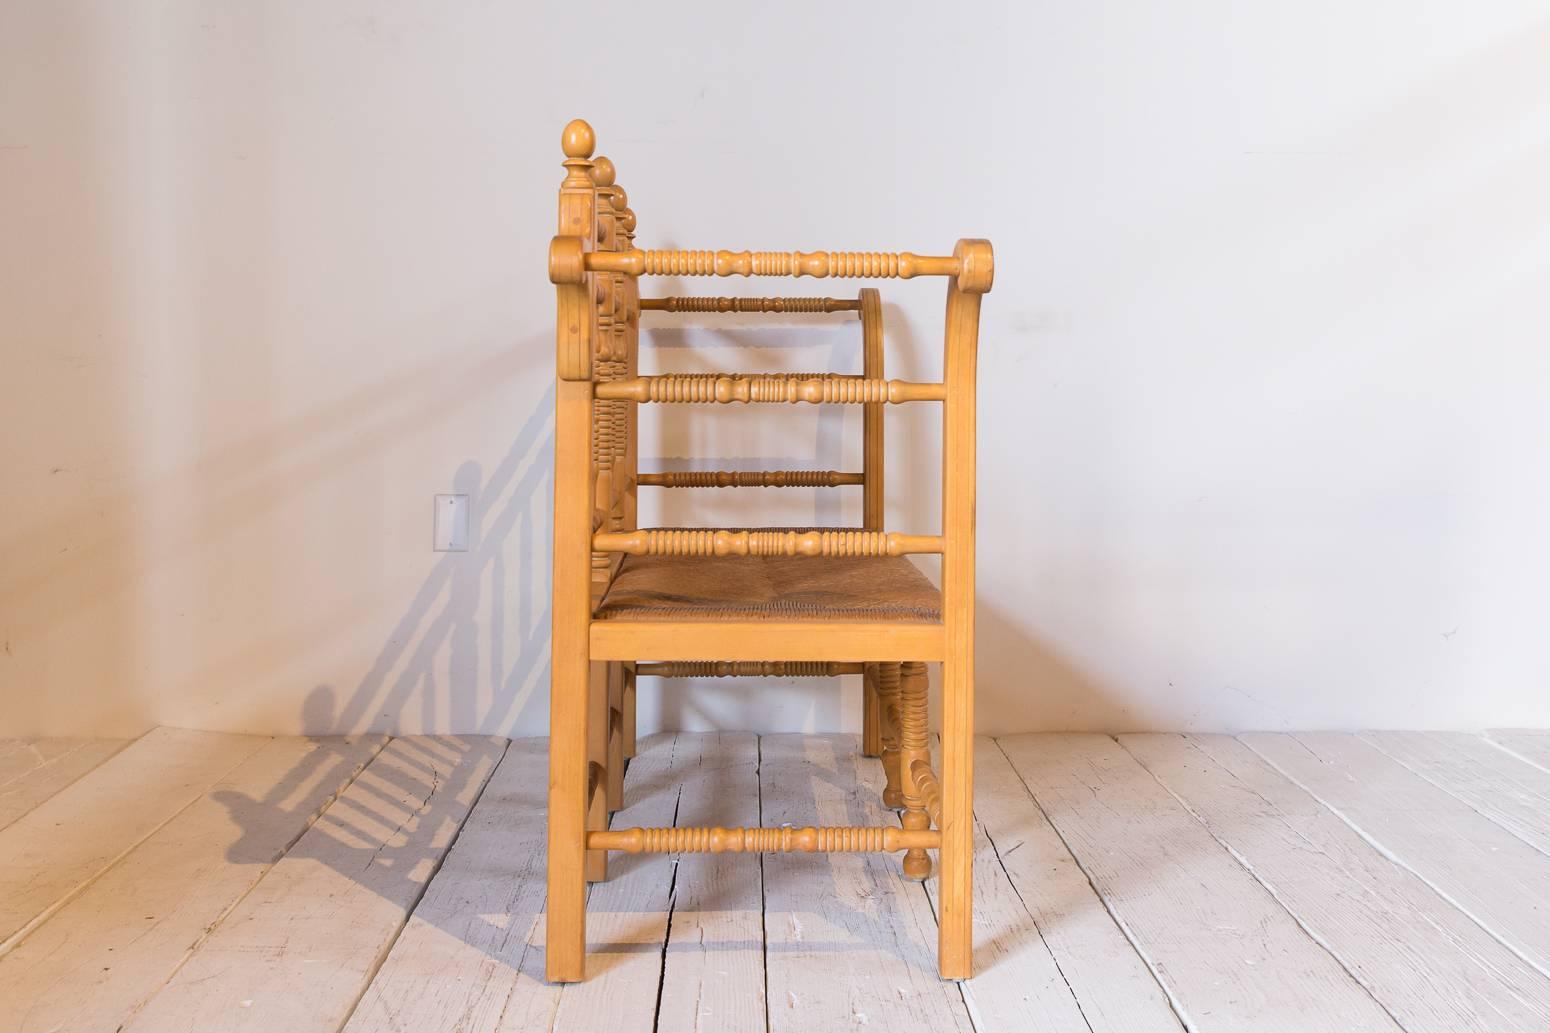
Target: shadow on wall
{"points": [[492, 674]]}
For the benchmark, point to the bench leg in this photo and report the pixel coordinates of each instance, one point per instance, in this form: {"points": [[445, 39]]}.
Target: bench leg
{"points": [[914, 745], [566, 921], [628, 709], [597, 765], [615, 731], [955, 888], [871, 716], [887, 679]]}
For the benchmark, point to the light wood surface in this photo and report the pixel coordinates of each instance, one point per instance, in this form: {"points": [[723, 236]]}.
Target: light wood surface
{"points": [[1430, 966], [751, 479], [1479, 866], [779, 305], [849, 940], [109, 949], [1182, 876], [41, 770], [103, 818], [472, 948], [629, 915], [278, 961], [703, 388], [717, 542], [1494, 782], [765, 640], [713, 968], [1217, 938], [1049, 915]]}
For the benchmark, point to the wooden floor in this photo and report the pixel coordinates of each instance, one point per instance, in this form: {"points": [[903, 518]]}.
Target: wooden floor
{"points": [[200, 881]]}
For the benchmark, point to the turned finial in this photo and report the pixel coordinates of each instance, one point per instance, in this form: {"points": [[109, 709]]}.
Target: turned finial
{"points": [[603, 171], [578, 140], [629, 221]]}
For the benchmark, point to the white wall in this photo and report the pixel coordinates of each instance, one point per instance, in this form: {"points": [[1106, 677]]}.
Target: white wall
{"points": [[1265, 369]]}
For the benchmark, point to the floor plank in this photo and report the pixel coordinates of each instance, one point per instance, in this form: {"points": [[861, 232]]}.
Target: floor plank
{"points": [[1510, 792], [1232, 958], [299, 950], [20, 756], [471, 957], [25, 791], [1476, 864], [1047, 953], [56, 849], [1423, 959], [95, 960], [628, 915], [849, 941], [1529, 745], [714, 967]]}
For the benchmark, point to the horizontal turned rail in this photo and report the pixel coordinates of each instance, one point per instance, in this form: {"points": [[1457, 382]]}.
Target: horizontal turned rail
{"points": [[750, 304], [772, 387], [713, 542], [887, 265], [749, 669], [827, 839], [750, 479]]}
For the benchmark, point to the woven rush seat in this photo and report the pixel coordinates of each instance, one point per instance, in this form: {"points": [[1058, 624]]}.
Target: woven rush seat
{"points": [[862, 588]]}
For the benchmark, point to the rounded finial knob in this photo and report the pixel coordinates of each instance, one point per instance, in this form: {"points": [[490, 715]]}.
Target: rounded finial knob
{"points": [[629, 221], [621, 199], [603, 171], [578, 140]]}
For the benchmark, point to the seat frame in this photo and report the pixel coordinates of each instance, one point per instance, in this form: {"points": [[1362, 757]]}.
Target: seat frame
{"points": [[596, 269]]}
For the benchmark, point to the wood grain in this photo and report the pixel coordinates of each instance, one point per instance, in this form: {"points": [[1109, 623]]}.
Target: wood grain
{"points": [[1478, 866], [713, 977], [95, 961], [52, 853], [471, 956], [1503, 787], [1423, 959], [61, 762], [1231, 958], [299, 950], [849, 938], [1050, 943]]}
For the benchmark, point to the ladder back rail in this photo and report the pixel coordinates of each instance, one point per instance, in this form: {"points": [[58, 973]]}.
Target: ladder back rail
{"points": [[809, 840], [720, 542], [750, 479], [871, 265], [722, 304], [709, 388], [749, 669]]}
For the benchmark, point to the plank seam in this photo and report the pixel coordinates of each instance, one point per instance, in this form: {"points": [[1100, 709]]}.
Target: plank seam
{"points": [[10, 943], [1515, 834], [764, 930], [1124, 928], [387, 947], [1391, 855], [1248, 867], [209, 929], [39, 767], [970, 1006], [672, 906], [996, 851], [1509, 751]]}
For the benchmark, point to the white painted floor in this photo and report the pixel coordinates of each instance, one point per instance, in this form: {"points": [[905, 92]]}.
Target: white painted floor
{"points": [[1308, 882]]}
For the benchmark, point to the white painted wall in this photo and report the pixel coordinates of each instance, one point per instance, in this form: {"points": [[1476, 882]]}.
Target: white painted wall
{"points": [[1265, 370]]}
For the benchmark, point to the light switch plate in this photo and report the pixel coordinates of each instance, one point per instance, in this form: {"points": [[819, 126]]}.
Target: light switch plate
{"points": [[451, 523]]}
